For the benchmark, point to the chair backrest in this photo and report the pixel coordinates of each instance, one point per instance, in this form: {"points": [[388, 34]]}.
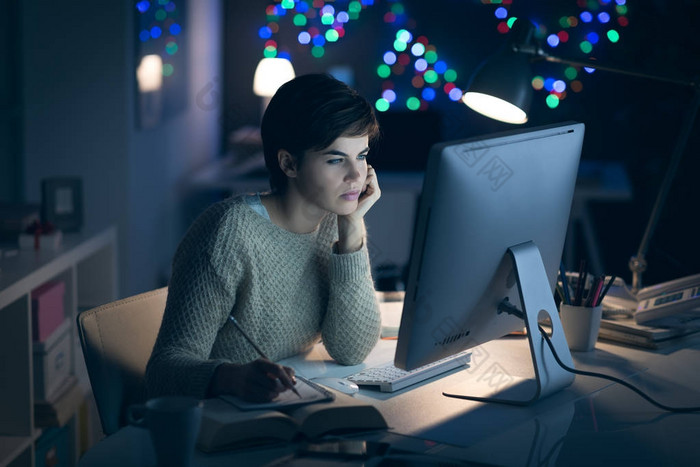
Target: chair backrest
{"points": [[117, 341]]}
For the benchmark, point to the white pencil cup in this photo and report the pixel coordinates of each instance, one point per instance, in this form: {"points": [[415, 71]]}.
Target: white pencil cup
{"points": [[581, 325]]}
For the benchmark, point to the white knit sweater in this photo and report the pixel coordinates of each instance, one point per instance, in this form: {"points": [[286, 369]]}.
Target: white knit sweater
{"points": [[286, 290]]}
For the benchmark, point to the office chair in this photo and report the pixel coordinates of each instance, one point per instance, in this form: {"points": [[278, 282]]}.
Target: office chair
{"points": [[117, 339]]}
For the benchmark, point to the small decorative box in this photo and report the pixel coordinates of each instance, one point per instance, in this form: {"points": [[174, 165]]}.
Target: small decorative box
{"points": [[50, 241], [47, 309]]}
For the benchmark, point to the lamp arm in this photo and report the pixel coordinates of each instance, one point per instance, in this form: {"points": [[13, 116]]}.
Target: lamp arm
{"points": [[637, 264], [538, 53]]}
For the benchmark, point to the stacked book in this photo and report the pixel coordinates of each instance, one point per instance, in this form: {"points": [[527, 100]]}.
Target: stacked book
{"points": [[60, 406], [624, 330]]}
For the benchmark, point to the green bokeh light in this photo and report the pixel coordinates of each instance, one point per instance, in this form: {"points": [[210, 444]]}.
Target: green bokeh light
{"points": [[299, 20], [586, 47], [171, 48], [317, 51], [332, 35], [430, 76], [570, 73], [413, 103], [270, 52], [383, 70], [397, 9], [613, 35], [552, 101], [382, 104], [450, 75]]}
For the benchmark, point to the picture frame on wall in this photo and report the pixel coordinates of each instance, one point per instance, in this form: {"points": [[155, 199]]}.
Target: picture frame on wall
{"points": [[62, 203]]}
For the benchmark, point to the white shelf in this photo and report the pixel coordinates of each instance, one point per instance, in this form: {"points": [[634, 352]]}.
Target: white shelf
{"points": [[87, 264]]}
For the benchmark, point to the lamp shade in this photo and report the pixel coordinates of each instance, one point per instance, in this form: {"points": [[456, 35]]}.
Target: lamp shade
{"points": [[270, 74], [149, 73], [500, 88]]}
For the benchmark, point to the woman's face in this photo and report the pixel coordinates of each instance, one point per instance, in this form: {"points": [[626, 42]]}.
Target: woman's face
{"points": [[333, 178]]}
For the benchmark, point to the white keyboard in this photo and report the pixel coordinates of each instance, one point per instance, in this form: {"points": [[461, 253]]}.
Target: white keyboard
{"points": [[389, 378]]}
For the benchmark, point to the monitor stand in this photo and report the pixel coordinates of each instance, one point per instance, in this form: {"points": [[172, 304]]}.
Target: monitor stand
{"points": [[535, 296]]}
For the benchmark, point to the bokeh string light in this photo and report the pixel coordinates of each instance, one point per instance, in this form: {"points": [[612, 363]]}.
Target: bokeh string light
{"points": [[160, 30], [413, 74], [596, 25], [321, 23]]}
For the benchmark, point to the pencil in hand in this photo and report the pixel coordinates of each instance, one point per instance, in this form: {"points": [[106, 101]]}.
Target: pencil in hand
{"points": [[288, 383]]}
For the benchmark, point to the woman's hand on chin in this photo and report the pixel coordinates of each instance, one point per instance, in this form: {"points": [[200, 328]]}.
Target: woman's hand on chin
{"points": [[351, 227]]}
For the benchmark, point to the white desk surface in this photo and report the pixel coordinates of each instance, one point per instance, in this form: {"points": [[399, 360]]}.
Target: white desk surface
{"points": [[592, 422]]}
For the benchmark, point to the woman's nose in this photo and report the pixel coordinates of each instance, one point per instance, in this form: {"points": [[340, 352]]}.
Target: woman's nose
{"points": [[353, 173]]}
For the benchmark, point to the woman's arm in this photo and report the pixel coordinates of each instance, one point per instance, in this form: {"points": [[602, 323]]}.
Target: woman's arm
{"points": [[352, 324], [196, 308]]}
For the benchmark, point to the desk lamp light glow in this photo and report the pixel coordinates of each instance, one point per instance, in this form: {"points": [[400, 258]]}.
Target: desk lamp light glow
{"points": [[270, 74], [501, 89]]}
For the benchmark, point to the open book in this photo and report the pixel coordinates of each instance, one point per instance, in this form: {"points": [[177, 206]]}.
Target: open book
{"points": [[225, 426]]}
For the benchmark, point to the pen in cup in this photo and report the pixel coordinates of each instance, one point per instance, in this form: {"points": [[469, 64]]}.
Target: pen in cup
{"points": [[580, 284], [605, 290], [258, 350], [565, 284], [595, 290]]}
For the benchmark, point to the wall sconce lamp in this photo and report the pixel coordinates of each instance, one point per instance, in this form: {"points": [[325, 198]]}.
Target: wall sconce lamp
{"points": [[149, 77], [270, 74], [500, 89]]}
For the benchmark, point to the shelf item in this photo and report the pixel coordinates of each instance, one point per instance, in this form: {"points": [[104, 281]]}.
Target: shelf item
{"points": [[86, 266], [62, 406], [52, 362], [47, 309]]}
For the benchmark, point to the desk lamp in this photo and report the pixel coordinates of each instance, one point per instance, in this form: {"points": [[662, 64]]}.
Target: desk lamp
{"points": [[270, 74], [500, 89]]}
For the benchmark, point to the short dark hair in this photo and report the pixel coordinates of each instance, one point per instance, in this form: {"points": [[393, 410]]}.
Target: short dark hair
{"points": [[309, 113]]}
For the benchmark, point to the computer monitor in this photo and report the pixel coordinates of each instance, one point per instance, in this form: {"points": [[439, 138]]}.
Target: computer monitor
{"points": [[487, 246]]}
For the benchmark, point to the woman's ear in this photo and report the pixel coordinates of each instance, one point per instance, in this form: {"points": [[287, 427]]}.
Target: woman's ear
{"points": [[287, 162]]}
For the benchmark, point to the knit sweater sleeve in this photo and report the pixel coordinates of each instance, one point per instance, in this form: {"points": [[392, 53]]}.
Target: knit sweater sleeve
{"points": [[352, 323], [198, 304]]}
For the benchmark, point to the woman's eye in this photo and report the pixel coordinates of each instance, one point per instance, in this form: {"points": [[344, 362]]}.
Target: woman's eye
{"points": [[362, 157], [334, 161]]}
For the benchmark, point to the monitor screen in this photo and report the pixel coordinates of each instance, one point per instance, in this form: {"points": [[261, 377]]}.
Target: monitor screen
{"points": [[480, 198]]}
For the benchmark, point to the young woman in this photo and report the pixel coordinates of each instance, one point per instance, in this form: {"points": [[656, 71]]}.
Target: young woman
{"points": [[290, 265]]}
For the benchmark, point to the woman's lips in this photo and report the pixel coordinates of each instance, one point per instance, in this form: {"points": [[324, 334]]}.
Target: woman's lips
{"points": [[350, 195]]}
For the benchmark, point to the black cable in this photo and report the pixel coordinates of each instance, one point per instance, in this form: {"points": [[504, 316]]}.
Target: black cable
{"points": [[613, 379]]}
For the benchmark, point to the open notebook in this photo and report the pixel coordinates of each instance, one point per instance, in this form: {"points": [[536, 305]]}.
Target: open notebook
{"points": [[309, 392]]}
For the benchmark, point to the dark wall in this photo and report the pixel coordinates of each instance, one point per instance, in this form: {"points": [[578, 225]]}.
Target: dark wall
{"points": [[628, 119], [10, 103]]}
